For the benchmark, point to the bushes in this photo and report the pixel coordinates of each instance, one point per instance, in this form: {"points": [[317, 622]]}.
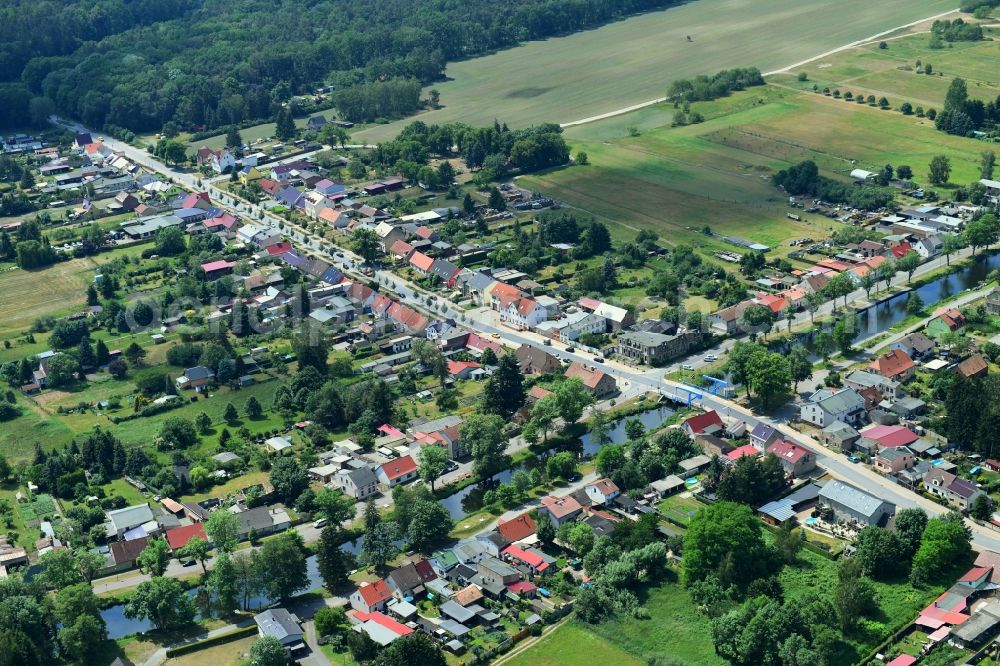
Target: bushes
{"points": [[244, 632]]}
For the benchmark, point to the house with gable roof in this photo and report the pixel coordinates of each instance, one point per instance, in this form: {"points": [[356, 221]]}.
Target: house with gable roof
{"points": [[796, 460], [599, 384]]}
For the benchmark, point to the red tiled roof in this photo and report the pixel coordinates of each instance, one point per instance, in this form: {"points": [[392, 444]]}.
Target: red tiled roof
{"points": [[421, 261], [532, 559], [458, 367], [974, 574], [786, 450], [698, 424], [590, 377], [538, 392], [901, 250], [375, 593], [521, 587], [973, 366], [425, 571], [561, 506], [219, 265], [387, 622], [517, 528], [892, 363], [400, 248], [279, 248], [606, 486], [399, 467], [502, 291], [890, 435], [743, 451], [178, 537]]}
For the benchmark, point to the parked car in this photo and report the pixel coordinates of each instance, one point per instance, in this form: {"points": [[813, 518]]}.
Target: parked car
{"points": [[598, 359], [320, 523], [710, 358], [687, 366]]}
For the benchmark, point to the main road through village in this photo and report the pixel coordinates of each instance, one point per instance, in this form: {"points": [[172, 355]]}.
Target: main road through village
{"points": [[632, 380]]}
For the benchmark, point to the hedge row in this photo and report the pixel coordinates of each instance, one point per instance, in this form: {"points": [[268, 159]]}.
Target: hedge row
{"points": [[243, 632]]}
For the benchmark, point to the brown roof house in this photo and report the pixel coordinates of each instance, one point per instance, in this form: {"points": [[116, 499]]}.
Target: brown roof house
{"points": [[535, 361], [598, 384], [974, 366], [895, 364]]}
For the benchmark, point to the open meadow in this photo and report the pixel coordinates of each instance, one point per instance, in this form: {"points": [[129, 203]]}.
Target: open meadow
{"points": [[633, 61], [678, 180], [892, 71]]}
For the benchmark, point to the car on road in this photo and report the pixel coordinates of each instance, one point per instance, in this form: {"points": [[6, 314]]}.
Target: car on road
{"points": [[495, 336], [547, 342], [688, 367], [598, 359], [570, 349], [710, 358], [320, 523]]}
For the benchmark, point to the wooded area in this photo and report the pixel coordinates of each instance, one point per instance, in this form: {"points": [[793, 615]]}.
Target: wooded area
{"points": [[212, 63]]}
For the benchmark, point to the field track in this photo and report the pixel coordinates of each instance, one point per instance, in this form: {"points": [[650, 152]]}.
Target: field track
{"points": [[860, 42]]}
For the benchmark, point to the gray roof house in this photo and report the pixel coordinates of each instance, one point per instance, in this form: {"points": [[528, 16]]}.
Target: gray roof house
{"points": [[850, 503], [915, 345], [840, 435], [889, 389], [358, 483], [125, 519], [279, 623], [824, 407]]}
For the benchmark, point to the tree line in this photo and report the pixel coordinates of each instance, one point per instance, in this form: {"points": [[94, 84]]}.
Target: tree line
{"points": [[214, 64], [963, 115], [804, 179]]}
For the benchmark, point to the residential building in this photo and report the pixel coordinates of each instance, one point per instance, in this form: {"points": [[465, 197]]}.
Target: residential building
{"points": [[859, 380], [825, 407], [895, 364], [617, 318], [889, 436], [281, 625], [852, 504], [656, 348], [561, 509], [599, 384], [763, 435], [974, 366], [796, 460], [893, 460], [536, 361], [915, 345], [839, 435], [517, 529], [522, 313], [993, 302], [397, 471], [707, 423], [602, 491], [370, 597]]}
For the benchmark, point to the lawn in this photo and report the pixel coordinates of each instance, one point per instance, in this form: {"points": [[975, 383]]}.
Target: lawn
{"points": [[675, 628], [631, 61], [680, 507], [227, 653], [569, 645], [28, 295]]}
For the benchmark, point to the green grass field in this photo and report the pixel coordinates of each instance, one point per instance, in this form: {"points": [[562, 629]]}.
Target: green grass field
{"points": [[632, 61], [677, 180], [892, 71], [571, 644]]}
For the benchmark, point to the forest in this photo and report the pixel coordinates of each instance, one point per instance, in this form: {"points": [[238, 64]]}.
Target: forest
{"points": [[202, 64]]}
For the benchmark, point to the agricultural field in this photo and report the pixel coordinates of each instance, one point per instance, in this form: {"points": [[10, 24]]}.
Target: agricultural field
{"points": [[32, 294], [679, 180], [892, 71], [632, 61]]}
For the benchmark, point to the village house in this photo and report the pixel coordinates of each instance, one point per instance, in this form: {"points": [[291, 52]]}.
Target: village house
{"points": [[359, 483], [763, 435], [221, 161], [796, 460], [656, 348], [370, 597], [707, 423], [198, 378], [894, 364], [974, 366], [887, 389], [893, 460], [852, 504], [522, 314], [535, 361], [397, 471], [561, 509], [825, 407], [599, 384], [914, 345]]}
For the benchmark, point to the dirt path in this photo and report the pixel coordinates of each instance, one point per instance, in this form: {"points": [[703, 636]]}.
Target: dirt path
{"points": [[860, 42]]}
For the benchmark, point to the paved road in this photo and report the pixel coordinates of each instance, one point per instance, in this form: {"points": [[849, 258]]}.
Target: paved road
{"points": [[632, 378]]}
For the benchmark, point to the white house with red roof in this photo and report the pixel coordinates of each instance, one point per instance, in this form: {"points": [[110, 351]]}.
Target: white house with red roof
{"points": [[370, 597], [397, 471], [380, 627], [796, 460], [518, 528], [602, 491], [462, 369], [522, 313], [708, 423], [525, 557]]}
